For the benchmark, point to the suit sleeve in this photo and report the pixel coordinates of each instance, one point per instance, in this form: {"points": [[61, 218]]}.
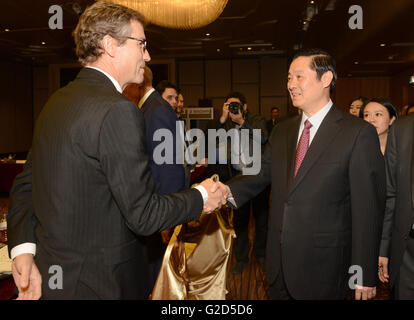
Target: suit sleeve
{"points": [[168, 177], [256, 122], [391, 163], [367, 190], [246, 187], [21, 219], [124, 160]]}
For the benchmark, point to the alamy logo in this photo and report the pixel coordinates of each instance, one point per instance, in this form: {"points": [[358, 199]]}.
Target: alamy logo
{"points": [[56, 280], [242, 148], [357, 276], [56, 20], [356, 21]]}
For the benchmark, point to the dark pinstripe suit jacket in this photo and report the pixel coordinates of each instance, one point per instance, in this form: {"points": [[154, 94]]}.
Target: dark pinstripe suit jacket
{"points": [[92, 193], [399, 213], [330, 216]]}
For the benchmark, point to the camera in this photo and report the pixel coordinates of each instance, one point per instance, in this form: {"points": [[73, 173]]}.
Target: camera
{"points": [[234, 107]]}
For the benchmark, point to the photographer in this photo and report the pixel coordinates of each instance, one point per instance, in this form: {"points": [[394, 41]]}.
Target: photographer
{"points": [[235, 115]]}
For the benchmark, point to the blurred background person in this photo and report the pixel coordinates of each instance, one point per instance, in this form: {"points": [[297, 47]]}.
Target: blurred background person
{"points": [[275, 114], [168, 92], [356, 105], [180, 104], [236, 115], [381, 113]]}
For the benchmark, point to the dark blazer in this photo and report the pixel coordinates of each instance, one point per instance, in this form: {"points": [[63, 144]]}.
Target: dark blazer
{"points": [[92, 193], [399, 213], [250, 122], [159, 114], [270, 125], [330, 216]]}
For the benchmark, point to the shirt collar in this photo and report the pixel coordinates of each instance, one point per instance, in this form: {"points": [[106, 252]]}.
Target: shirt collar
{"points": [[115, 83], [318, 117], [145, 97]]}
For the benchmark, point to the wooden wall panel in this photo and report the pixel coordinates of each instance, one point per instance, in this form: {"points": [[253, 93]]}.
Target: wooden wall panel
{"points": [[245, 71], [191, 72], [349, 88], [218, 78], [251, 92], [273, 77], [15, 107], [269, 102], [192, 93]]}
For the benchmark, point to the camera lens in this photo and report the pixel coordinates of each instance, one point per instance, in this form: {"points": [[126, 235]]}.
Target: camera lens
{"points": [[234, 107]]}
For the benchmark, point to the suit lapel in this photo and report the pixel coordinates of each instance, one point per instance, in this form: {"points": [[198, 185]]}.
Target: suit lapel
{"points": [[323, 138]]}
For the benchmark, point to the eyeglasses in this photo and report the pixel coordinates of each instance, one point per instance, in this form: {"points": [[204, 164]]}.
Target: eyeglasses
{"points": [[141, 41]]}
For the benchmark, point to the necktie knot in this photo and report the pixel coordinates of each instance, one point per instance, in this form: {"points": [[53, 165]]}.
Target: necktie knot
{"points": [[308, 125]]}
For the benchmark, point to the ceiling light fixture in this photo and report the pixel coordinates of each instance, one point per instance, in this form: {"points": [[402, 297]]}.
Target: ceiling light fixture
{"points": [[177, 14]]}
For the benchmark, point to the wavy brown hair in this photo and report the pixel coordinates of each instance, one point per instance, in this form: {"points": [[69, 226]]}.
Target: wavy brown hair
{"points": [[100, 19]]}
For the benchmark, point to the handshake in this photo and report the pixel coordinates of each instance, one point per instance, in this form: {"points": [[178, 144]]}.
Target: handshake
{"points": [[218, 193]]}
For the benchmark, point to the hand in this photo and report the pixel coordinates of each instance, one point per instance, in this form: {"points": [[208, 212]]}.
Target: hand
{"points": [[383, 269], [225, 113], [215, 196], [203, 162], [237, 118], [166, 236], [27, 277], [365, 293]]}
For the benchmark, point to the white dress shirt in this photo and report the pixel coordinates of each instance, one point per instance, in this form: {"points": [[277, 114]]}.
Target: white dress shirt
{"points": [[315, 120]]}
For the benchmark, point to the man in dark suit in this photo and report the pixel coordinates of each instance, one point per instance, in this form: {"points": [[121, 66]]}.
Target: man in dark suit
{"points": [[168, 177], [397, 245], [90, 191], [328, 192], [274, 114], [244, 120]]}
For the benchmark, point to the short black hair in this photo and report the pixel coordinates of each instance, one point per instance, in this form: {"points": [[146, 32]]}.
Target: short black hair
{"points": [[164, 84], [274, 108], [322, 62], [408, 109], [364, 100], [237, 95], [392, 111]]}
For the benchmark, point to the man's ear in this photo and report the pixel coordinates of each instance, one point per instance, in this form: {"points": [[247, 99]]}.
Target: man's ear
{"points": [[327, 78], [245, 107], [109, 45]]}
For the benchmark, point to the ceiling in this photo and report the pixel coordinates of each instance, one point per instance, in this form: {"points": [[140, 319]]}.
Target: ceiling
{"points": [[246, 28]]}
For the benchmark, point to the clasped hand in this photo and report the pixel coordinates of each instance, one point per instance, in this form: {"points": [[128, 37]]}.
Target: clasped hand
{"points": [[217, 194]]}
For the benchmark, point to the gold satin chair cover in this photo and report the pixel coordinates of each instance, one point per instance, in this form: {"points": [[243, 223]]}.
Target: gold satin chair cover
{"points": [[195, 262]]}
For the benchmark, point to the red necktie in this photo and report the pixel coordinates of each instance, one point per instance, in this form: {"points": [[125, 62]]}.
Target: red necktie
{"points": [[303, 146]]}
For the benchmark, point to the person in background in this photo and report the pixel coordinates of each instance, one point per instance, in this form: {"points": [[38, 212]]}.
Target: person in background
{"points": [[409, 110], [396, 261], [239, 120], [180, 104], [356, 105], [168, 92], [168, 178], [381, 114], [273, 120]]}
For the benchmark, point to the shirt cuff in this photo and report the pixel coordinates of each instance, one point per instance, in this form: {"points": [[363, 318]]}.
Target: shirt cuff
{"points": [[203, 192], [26, 247], [232, 201]]}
